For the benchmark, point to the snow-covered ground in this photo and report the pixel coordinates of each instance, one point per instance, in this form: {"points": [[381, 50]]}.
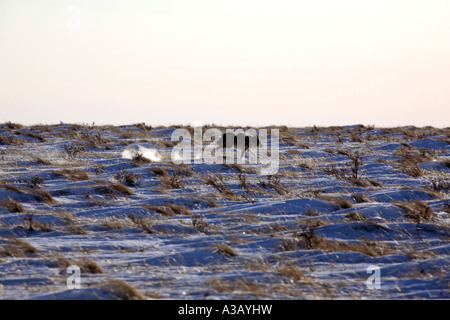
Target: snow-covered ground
{"points": [[109, 200]]}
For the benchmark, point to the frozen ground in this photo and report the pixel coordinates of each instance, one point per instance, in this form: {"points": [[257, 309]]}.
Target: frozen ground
{"points": [[109, 200]]}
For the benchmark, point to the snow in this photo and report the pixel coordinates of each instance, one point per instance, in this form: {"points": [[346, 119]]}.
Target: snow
{"points": [[177, 255]]}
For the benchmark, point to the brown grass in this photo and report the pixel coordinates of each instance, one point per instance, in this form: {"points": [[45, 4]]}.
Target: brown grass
{"points": [[112, 188], [13, 126], [12, 141], [13, 247], [32, 135], [274, 182], [139, 159], [360, 197], [140, 222], [171, 181], [41, 195], [225, 249], [293, 272], [40, 160], [113, 223], [89, 266], [356, 216], [75, 228], [199, 223], [341, 202], [410, 158], [217, 181], [309, 240], [121, 290], [86, 265], [157, 171], [416, 210], [168, 209], [12, 205], [73, 174]]}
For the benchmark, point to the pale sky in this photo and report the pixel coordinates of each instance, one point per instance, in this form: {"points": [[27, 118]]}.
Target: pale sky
{"points": [[233, 62]]}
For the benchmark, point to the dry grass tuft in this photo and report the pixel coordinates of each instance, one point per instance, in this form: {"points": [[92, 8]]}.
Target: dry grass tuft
{"points": [[416, 210], [225, 249], [341, 202], [199, 223], [12, 205], [294, 273], [13, 247], [157, 171], [217, 181], [75, 229], [139, 159], [121, 290], [360, 197], [307, 239], [113, 223], [41, 195], [274, 182], [410, 158], [32, 135], [169, 209], [85, 264], [113, 189], [89, 266], [73, 174], [355, 216], [140, 222], [172, 181]]}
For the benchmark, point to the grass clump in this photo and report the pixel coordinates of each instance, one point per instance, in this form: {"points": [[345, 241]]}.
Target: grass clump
{"points": [[13, 247], [225, 249], [12, 205], [416, 210]]}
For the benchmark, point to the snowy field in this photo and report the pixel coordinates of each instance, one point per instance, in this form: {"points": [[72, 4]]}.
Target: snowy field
{"points": [[109, 200]]}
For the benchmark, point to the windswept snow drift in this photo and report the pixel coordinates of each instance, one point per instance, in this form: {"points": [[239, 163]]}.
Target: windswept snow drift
{"points": [[150, 154]]}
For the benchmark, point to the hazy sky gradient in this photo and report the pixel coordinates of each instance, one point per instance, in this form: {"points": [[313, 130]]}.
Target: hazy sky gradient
{"points": [[243, 62]]}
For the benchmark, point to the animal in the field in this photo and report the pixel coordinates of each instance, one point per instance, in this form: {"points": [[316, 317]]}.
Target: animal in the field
{"points": [[239, 141]]}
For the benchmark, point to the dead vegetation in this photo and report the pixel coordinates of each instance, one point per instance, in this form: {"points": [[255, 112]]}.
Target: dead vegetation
{"points": [[341, 202], [73, 151], [73, 174], [121, 290], [140, 222], [12, 205], [168, 209], [308, 239], [225, 249], [217, 181], [40, 195], [14, 247], [274, 182], [416, 210], [292, 272], [199, 223], [112, 189], [410, 158], [127, 177], [85, 264]]}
